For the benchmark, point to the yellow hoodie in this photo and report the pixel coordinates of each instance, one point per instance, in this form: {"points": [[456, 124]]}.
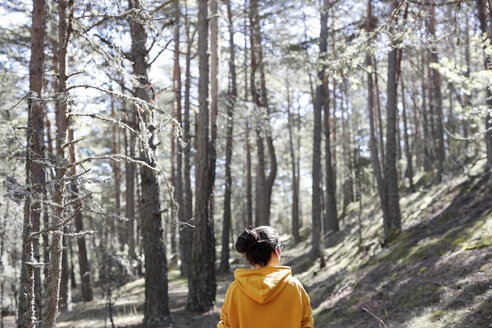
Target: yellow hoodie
{"points": [[268, 297]]}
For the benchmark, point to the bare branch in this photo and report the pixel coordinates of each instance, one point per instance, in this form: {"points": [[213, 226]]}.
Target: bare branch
{"points": [[166, 3], [160, 52], [377, 318], [54, 229], [133, 99]]}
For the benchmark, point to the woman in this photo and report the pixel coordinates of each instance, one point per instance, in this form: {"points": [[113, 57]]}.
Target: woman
{"points": [[266, 295]]}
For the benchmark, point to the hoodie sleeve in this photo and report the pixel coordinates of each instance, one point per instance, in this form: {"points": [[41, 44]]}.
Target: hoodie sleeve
{"points": [[224, 312], [307, 312]]}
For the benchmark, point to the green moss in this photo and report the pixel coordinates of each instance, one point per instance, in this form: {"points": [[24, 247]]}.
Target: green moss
{"points": [[476, 244], [477, 234], [423, 269], [399, 250], [485, 267], [392, 235], [426, 250], [395, 275]]}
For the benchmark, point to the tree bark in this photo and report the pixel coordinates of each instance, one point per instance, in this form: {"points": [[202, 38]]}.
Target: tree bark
{"points": [[295, 187], [65, 298], [264, 183], [379, 122], [331, 218], [130, 188], [482, 17], [84, 266], [392, 224], [371, 100], [30, 280], [186, 232], [249, 179], [316, 244], [408, 154], [202, 285], [427, 135], [347, 168], [436, 99], [156, 307], [2, 268], [466, 97], [56, 248], [178, 192], [249, 188], [46, 222], [115, 225], [417, 142], [175, 142], [224, 259]]}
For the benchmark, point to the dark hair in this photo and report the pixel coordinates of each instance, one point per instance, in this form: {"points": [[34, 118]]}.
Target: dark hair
{"points": [[258, 244]]}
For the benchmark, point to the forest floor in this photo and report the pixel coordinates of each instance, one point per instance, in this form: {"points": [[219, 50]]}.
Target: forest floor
{"points": [[437, 273]]}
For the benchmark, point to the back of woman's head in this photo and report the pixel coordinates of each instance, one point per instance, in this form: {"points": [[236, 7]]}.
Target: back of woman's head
{"points": [[258, 244]]}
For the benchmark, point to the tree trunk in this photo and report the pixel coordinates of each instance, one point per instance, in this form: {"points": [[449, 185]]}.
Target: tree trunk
{"points": [[175, 142], [264, 183], [156, 307], [30, 280], [436, 99], [392, 224], [178, 192], [115, 225], [320, 96], [427, 135], [65, 292], [331, 218], [202, 285], [347, 187], [249, 188], [130, 187], [224, 259], [482, 17], [46, 223], [249, 179], [408, 154], [466, 97], [417, 143], [379, 122], [84, 267], [334, 117], [214, 103], [371, 100], [73, 282], [295, 190], [186, 232], [56, 248], [2, 268]]}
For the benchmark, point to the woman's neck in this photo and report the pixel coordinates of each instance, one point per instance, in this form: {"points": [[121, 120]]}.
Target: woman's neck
{"points": [[274, 261]]}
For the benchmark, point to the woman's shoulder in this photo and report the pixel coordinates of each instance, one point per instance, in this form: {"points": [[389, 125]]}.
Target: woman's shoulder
{"points": [[294, 282]]}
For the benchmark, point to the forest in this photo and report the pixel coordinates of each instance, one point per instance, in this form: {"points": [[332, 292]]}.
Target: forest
{"points": [[139, 138]]}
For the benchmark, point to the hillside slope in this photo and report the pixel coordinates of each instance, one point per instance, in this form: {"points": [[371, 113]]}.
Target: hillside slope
{"points": [[438, 273]]}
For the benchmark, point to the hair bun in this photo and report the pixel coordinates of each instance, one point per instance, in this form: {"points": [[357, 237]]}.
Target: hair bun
{"points": [[246, 241]]}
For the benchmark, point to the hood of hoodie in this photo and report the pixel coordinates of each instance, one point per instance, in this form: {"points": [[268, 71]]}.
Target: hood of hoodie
{"points": [[263, 284]]}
